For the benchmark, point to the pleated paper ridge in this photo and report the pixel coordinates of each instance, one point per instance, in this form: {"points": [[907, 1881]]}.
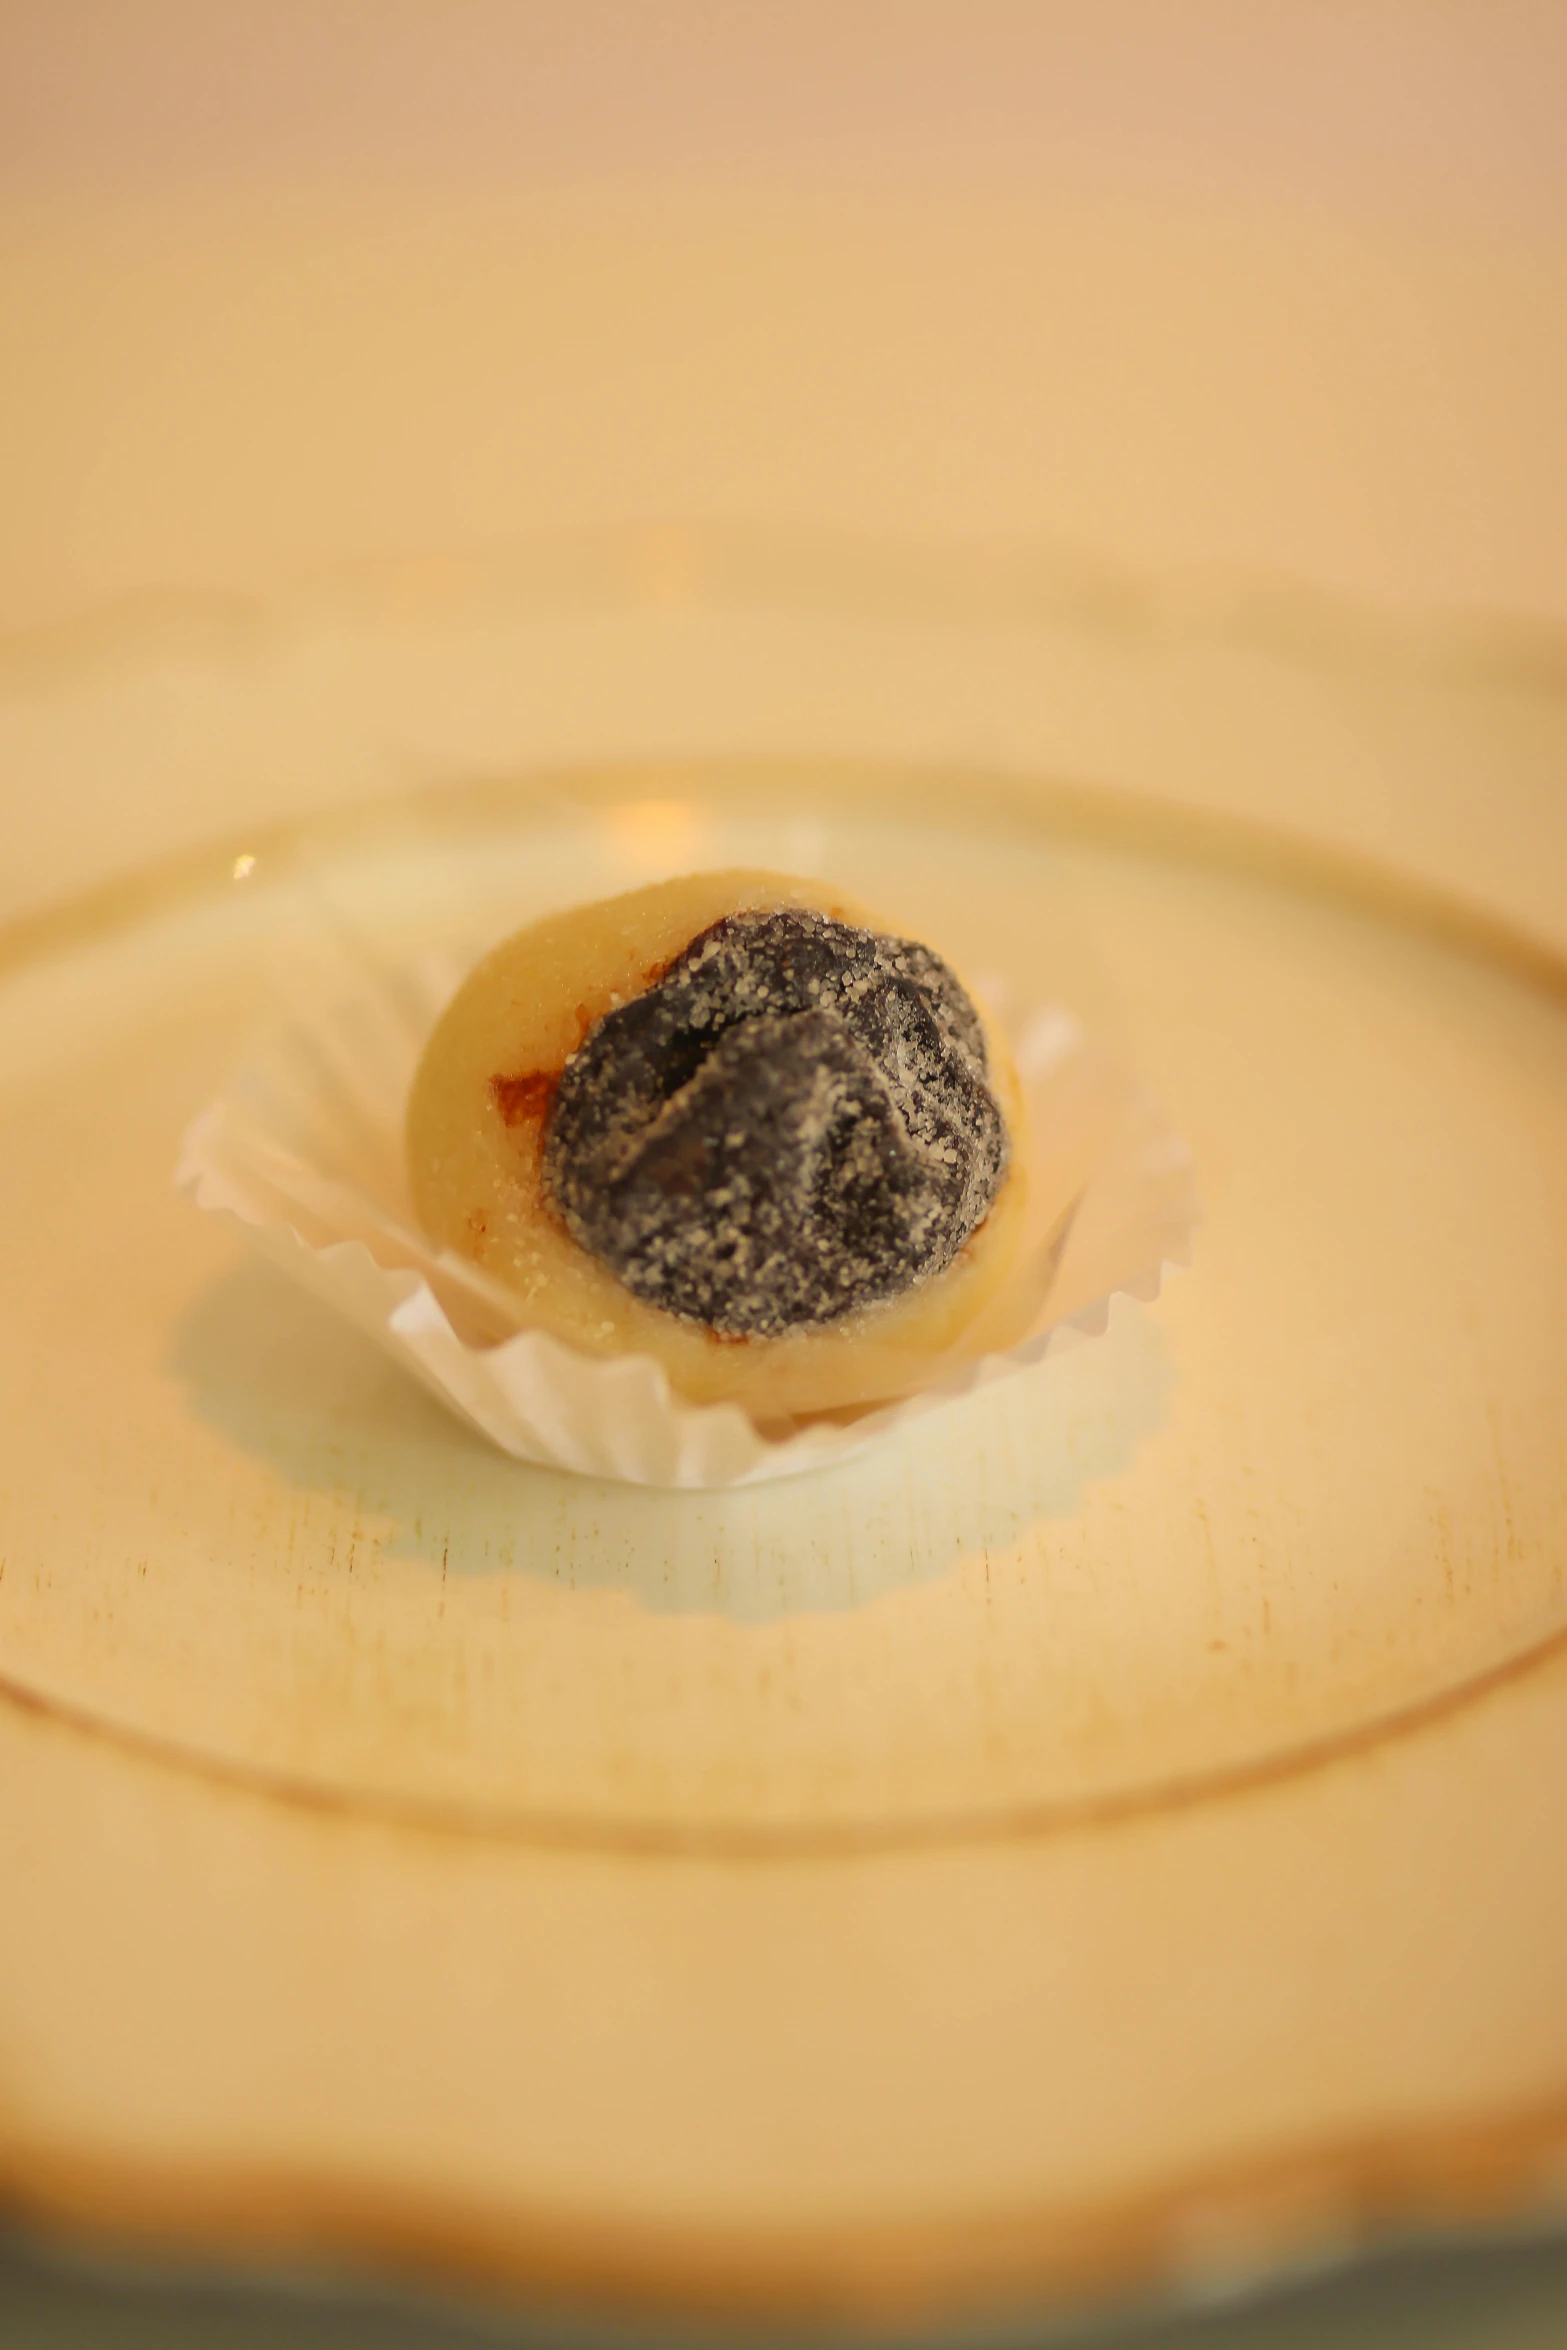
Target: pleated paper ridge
{"points": [[303, 1151]]}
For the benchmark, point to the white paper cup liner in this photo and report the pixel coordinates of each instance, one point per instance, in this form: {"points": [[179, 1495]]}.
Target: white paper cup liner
{"points": [[304, 1150]]}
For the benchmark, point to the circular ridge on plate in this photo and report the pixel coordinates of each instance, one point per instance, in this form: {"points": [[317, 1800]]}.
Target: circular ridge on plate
{"points": [[945, 1809]]}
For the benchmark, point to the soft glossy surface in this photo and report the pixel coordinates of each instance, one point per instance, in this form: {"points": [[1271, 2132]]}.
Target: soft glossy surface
{"points": [[476, 1125]]}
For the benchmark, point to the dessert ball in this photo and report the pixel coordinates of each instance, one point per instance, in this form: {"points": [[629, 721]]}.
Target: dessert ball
{"points": [[732, 1122]]}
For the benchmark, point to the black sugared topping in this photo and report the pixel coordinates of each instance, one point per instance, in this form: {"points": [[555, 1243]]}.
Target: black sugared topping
{"points": [[792, 1123]]}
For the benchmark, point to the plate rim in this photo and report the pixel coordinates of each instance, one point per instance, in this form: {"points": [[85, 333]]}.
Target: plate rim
{"points": [[1325, 2196], [1029, 805]]}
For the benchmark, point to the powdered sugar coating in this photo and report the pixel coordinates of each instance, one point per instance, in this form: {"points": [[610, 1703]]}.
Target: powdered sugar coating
{"points": [[794, 1122]]}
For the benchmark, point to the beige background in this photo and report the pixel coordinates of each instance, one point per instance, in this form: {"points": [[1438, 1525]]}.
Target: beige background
{"points": [[1277, 287], [289, 292]]}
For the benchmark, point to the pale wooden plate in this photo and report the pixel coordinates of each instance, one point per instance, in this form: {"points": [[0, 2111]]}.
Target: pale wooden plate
{"points": [[1105, 1832]]}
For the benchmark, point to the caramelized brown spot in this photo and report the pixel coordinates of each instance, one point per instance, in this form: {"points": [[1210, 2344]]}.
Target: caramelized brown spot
{"points": [[601, 1002], [527, 1096]]}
